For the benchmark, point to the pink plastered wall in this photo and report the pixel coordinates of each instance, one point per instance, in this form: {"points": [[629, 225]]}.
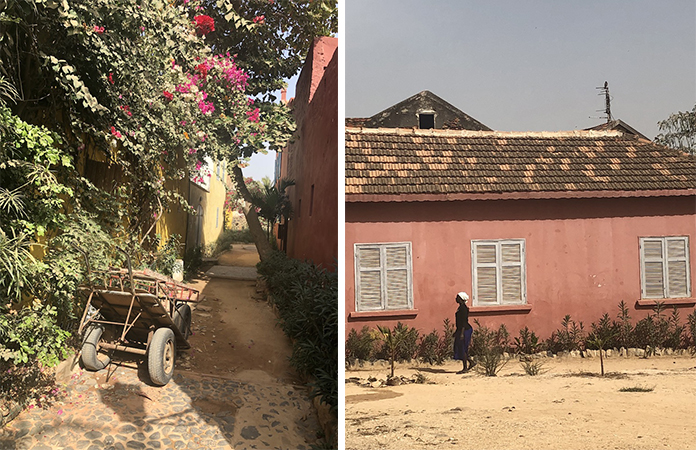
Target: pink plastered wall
{"points": [[311, 160], [582, 255]]}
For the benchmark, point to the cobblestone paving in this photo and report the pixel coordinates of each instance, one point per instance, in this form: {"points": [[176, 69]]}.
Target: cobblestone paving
{"points": [[117, 410]]}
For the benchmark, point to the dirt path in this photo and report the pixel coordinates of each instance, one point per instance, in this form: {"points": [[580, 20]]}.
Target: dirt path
{"points": [[565, 408]]}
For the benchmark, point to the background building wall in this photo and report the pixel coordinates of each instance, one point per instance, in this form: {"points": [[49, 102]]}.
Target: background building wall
{"points": [[582, 255], [311, 160]]}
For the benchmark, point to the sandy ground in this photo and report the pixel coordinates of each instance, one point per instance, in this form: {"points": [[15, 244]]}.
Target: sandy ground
{"points": [[235, 331], [568, 407]]}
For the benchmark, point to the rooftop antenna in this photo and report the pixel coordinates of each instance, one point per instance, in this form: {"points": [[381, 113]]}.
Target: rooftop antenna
{"points": [[607, 101]]}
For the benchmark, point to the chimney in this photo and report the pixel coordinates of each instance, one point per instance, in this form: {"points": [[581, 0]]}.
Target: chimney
{"points": [[283, 95]]}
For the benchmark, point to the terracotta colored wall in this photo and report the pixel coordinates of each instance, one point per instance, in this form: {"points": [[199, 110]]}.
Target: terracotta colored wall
{"points": [[312, 159], [582, 255]]}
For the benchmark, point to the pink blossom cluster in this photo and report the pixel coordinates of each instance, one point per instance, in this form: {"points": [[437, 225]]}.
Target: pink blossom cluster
{"points": [[253, 115], [98, 29], [116, 133], [206, 107]]}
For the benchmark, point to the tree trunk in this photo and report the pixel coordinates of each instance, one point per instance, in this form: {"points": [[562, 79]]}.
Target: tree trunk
{"points": [[263, 246]]}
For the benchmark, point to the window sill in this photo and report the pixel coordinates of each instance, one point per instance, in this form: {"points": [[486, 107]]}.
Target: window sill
{"points": [[402, 313], [650, 302], [499, 309]]}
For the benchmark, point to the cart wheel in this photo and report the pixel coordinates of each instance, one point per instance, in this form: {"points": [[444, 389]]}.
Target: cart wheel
{"points": [[89, 355], [182, 319], [160, 356]]}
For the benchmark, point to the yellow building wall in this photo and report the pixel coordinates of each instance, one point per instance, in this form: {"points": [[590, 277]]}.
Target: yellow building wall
{"points": [[206, 226], [174, 220]]}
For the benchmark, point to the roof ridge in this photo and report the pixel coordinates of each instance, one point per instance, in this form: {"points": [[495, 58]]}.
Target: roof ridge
{"points": [[499, 134]]}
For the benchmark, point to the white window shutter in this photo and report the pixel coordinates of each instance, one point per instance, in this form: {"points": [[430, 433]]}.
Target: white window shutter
{"points": [[383, 273], [677, 268], [369, 293], [498, 275], [486, 285], [397, 277], [665, 267], [511, 273]]}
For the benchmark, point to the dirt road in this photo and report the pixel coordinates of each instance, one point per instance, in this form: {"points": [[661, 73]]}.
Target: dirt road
{"points": [[568, 407]]}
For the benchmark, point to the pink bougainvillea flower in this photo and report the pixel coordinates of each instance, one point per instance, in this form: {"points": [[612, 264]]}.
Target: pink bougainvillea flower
{"points": [[98, 29], [111, 77], [204, 24], [127, 110], [116, 133], [259, 19], [168, 95], [206, 107], [192, 151], [253, 115]]}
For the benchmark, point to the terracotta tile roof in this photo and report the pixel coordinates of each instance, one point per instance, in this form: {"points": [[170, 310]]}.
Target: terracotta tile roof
{"points": [[444, 162]]}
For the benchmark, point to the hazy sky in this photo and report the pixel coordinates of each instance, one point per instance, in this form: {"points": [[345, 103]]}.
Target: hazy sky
{"points": [[524, 65]]}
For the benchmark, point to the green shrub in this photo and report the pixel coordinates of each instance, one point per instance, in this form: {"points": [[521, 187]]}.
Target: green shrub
{"points": [[227, 238], [428, 348], [532, 367], [487, 348], [360, 345], [31, 334], [527, 343], [625, 336], [690, 336], [567, 338], [307, 302]]}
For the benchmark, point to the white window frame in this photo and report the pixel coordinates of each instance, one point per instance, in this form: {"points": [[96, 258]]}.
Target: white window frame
{"points": [[384, 271], [499, 264], [665, 260]]}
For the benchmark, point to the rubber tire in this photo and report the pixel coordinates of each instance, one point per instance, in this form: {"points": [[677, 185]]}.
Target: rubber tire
{"points": [[89, 354], [161, 354], [182, 319]]}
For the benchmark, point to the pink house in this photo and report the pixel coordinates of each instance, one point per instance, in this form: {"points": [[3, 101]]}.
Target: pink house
{"points": [[533, 226]]}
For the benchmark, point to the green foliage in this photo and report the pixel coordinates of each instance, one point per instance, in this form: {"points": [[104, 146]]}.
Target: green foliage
{"points": [[31, 333], [307, 302], [679, 131], [690, 338], [487, 348], [602, 334], [164, 258], [567, 338], [527, 343], [532, 367], [360, 346], [434, 348], [399, 344], [624, 336]]}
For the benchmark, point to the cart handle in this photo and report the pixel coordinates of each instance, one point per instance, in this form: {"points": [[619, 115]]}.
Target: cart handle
{"points": [[130, 269]]}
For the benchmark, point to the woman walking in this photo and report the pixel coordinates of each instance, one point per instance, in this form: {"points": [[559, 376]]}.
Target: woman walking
{"points": [[462, 335]]}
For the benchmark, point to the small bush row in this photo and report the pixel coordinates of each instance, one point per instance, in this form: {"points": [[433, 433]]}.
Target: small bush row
{"points": [[657, 330]]}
